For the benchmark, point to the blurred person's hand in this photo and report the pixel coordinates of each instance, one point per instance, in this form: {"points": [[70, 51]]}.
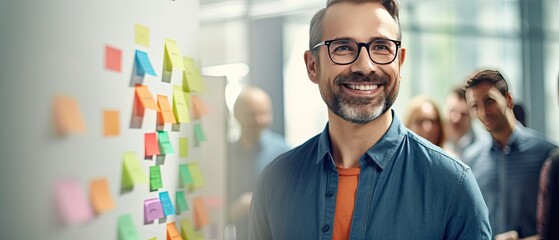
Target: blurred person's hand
{"points": [[510, 235]]}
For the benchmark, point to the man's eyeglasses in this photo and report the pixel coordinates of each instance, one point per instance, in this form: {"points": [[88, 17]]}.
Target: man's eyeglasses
{"points": [[344, 51]]}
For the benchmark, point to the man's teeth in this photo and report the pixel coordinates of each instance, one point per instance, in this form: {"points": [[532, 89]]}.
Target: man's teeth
{"points": [[363, 87]]}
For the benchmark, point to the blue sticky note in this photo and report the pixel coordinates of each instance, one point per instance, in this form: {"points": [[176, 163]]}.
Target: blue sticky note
{"points": [[168, 207], [143, 65]]}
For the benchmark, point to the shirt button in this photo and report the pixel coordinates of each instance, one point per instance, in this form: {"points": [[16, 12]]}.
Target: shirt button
{"points": [[329, 193], [325, 228]]}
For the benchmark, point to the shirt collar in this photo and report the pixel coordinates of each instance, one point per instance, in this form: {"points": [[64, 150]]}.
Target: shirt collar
{"points": [[513, 140], [381, 153]]}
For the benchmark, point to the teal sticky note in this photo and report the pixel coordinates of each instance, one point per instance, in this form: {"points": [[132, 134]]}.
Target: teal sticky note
{"points": [[143, 65], [199, 135], [168, 207], [184, 175], [155, 178], [165, 146], [181, 203], [126, 228]]}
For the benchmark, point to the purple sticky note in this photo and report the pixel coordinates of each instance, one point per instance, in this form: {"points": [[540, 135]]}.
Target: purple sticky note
{"points": [[152, 209], [72, 203]]}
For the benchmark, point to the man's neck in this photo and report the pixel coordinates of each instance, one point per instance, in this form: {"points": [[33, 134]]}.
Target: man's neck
{"points": [[249, 139], [350, 140]]}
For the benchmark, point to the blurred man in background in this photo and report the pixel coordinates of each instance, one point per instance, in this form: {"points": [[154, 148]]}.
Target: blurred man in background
{"points": [[507, 170]]}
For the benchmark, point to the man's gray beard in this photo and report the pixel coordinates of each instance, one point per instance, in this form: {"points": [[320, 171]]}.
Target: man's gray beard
{"points": [[348, 109]]}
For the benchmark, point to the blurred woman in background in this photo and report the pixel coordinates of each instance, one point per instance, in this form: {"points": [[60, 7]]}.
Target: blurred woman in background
{"points": [[423, 117]]}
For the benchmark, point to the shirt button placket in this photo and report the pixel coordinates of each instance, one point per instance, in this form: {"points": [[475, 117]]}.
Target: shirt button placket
{"points": [[329, 194], [325, 228]]}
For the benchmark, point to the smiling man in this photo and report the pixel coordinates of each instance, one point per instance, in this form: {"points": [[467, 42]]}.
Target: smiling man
{"points": [[508, 169], [365, 176]]}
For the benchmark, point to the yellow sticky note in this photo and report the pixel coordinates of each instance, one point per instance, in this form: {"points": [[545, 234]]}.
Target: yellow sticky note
{"points": [[173, 57], [201, 217], [142, 35], [188, 231], [133, 172], [166, 114], [67, 115], [145, 97], [111, 123], [197, 179], [180, 108], [183, 147], [100, 195], [192, 78], [173, 232]]}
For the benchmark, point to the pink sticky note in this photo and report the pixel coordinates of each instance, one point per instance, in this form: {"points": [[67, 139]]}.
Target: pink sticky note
{"points": [[152, 209], [113, 58], [150, 144], [72, 203]]}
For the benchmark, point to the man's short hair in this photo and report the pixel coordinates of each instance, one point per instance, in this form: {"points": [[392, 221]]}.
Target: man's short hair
{"points": [[489, 76]]}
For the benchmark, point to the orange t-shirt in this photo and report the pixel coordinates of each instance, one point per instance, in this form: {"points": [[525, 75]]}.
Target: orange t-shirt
{"points": [[345, 199]]}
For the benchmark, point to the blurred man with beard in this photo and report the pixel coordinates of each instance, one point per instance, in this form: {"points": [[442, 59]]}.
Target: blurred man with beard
{"points": [[365, 176]]}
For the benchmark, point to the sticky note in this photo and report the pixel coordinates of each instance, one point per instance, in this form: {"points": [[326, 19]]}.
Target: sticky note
{"points": [[197, 179], [180, 109], [201, 217], [113, 58], [198, 108], [181, 203], [172, 232], [168, 208], [132, 171], [142, 35], [68, 117], [151, 147], [183, 147], [126, 228], [173, 57], [152, 209], [165, 146], [184, 175], [199, 135], [165, 113], [143, 64], [188, 231], [153, 238], [145, 97], [72, 203], [192, 78], [155, 178], [111, 123], [100, 195]]}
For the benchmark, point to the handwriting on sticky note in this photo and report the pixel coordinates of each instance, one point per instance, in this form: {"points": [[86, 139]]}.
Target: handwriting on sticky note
{"points": [[168, 207], [166, 113], [151, 147], [179, 105], [152, 209], [126, 228], [100, 195], [142, 35], [72, 203], [145, 97], [68, 117], [173, 56], [113, 58], [155, 178], [172, 232], [111, 123]]}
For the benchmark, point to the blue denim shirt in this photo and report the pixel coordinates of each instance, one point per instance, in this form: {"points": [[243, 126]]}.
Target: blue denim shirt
{"points": [[408, 189], [508, 177]]}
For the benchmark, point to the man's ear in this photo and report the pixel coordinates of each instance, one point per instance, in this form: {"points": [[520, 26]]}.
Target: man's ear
{"points": [[312, 66], [510, 103], [402, 56]]}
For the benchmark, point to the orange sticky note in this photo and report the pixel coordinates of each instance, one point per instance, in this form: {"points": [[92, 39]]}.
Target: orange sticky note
{"points": [[113, 58], [198, 108], [150, 144], [100, 195], [67, 115], [201, 217], [146, 99], [166, 113], [111, 123], [173, 232]]}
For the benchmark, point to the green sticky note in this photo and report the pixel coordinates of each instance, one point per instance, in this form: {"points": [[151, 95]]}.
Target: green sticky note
{"points": [[180, 107], [126, 228], [197, 179], [132, 171], [192, 78], [181, 203], [165, 146], [155, 178], [184, 175], [183, 147], [199, 135]]}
